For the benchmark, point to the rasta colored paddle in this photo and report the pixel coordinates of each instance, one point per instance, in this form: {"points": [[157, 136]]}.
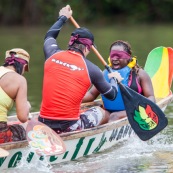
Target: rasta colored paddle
{"points": [[42, 139], [159, 66], [144, 116]]}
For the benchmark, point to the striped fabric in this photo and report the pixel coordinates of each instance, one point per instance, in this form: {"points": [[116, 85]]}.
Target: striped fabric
{"points": [[159, 66]]}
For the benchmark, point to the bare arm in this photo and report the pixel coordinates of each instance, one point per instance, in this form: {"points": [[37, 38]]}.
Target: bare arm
{"points": [[22, 105], [91, 95], [146, 85], [15, 86]]}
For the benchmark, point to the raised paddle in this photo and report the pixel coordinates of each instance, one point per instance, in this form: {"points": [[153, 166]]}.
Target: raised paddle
{"points": [[42, 139], [144, 116], [159, 66], [3, 153]]}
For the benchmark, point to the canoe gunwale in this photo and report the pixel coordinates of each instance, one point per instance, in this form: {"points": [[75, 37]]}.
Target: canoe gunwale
{"points": [[166, 101], [94, 130], [14, 145]]}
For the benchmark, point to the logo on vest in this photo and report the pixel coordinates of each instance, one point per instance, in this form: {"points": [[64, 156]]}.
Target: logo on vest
{"points": [[70, 66]]}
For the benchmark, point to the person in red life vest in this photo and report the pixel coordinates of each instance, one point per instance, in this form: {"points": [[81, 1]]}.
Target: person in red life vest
{"points": [[132, 75], [67, 77], [13, 89]]}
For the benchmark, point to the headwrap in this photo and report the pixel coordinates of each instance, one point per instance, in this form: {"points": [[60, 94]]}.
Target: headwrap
{"points": [[19, 55], [85, 41], [11, 60], [116, 54]]}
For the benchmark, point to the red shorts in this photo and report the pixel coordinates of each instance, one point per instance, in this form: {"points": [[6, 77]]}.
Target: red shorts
{"points": [[11, 133]]}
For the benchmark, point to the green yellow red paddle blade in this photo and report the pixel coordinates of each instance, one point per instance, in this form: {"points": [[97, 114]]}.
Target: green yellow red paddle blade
{"points": [[170, 54], [145, 117], [159, 66]]}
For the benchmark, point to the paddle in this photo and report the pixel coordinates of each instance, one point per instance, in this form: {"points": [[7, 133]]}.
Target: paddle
{"points": [[144, 116], [3, 153], [159, 66], [43, 139]]}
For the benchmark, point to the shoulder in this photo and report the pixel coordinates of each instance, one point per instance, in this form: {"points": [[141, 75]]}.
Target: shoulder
{"points": [[143, 74], [13, 83], [50, 47], [94, 71], [16, 78]]}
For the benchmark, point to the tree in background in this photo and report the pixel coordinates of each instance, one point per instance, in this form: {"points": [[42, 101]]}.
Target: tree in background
{"points": [[37, 12]]}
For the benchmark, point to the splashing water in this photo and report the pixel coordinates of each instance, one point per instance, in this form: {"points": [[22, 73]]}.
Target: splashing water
{"points": [[39, 166]]}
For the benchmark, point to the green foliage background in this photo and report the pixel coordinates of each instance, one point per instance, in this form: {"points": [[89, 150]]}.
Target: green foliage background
{"points": [[38, 12], [145, 24]]}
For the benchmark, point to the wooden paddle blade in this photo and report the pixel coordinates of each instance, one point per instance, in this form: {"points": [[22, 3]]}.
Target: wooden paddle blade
{"points": [[43, 139], [159, 66], [145, 117], [3, 153]]}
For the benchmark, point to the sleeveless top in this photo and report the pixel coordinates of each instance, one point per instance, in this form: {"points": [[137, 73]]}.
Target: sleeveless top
{"points": [[6, 102], [62, 102], [130, 80]]}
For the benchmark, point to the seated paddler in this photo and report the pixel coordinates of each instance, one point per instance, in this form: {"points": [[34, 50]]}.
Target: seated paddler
{"points": [[13, 90]]}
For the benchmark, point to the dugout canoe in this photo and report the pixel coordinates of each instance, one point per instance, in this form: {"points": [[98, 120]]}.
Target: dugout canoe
{"points": [[78, 143]]}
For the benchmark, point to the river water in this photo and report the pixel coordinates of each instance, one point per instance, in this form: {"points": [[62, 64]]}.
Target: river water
{"points": [[131, 156]]}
